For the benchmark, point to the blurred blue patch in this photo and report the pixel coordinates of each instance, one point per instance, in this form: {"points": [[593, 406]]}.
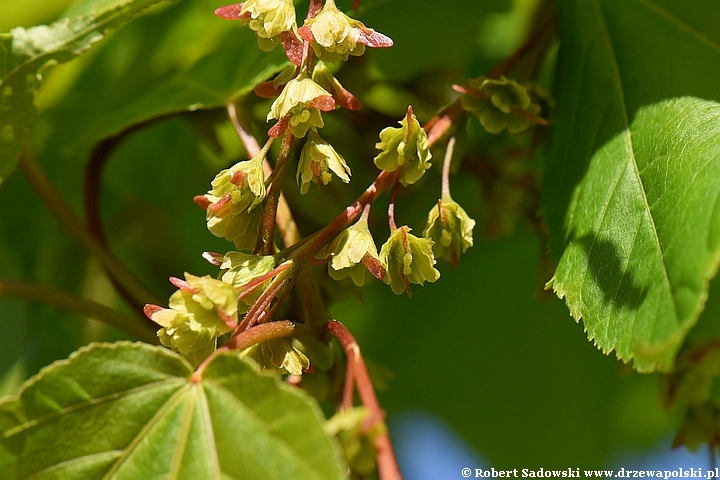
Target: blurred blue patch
{"points": [[427, 449], [663, 457]]}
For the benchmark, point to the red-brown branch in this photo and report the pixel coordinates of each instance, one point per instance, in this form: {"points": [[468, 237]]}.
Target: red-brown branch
{"points": [[387, 464]]}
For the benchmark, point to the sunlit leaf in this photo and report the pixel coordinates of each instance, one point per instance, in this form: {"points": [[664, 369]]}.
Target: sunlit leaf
{"points": [[633, 180], [125, 410]]}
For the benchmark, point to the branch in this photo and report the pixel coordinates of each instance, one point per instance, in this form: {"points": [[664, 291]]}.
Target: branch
{"points": [[387, 464], [261, 333], [271, 199], [66, 301], [99, 157], [56, 203], [284, 218], [248, 338]]}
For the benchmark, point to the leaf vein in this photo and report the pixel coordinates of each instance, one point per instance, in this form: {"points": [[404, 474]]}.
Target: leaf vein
{"points": [[92, 402], [670, 17], [631, 152]]}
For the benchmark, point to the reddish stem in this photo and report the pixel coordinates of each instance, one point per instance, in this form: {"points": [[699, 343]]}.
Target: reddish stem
{"points": [[314, 8], [439, 125], [446, 169], [387, 464], [307, 252], [253, 316], [391, 210], [256, 282], [349, 387], [261, 333], [271, 200], [250, 337]]}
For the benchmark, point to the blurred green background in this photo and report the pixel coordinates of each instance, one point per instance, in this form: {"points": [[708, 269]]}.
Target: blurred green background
{"points": [[510, 373]]}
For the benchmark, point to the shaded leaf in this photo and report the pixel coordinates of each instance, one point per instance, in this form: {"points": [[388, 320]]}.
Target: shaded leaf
{"points": [[133, 411], [184, 59], [633, 179], [25, 53]]}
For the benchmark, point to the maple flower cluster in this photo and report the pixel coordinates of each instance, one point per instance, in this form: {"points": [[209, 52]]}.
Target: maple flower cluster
{"points": [[204, 309]]}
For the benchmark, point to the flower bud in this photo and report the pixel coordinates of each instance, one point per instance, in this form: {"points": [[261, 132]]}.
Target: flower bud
{"points": [[450, 228], [318, 161], [406, 148], [408, 259]]}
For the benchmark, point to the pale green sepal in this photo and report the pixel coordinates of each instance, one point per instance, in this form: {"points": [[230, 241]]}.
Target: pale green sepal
{"points": [[268, 19], [408, 259], [244, 182], [240, 268], [500, 103], [405, 147], [296, 101], [318, 162], [235, 193], [450, 228], [198, 314], [279, 354], [335, 34], [348, 250], [297, 92]]}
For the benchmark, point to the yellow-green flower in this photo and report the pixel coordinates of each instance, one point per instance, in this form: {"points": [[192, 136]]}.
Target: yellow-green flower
{"points": [[334, 36], [300, 104], [239, 268], [267, 18], [408, 259], [201, 310], [354, 253], [450, 228], [357, 443], [279, 354], [318, 162], [499, 104], [230, 204], [406, 148]]}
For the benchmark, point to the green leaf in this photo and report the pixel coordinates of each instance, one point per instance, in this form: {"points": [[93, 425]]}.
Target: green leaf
{"points": [[632, 183], [25, 53], [183, 59], [131, 411]]}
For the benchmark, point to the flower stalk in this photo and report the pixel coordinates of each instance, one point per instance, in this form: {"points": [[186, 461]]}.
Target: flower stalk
{"points": [[356, 370]]}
